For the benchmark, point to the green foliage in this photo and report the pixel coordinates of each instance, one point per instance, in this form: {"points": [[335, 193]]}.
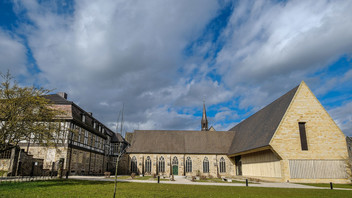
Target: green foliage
{"points": [[25, 114], [75, 188]]}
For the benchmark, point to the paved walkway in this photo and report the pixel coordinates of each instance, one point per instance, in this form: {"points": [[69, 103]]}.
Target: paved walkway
{"points": [[183, 180]]}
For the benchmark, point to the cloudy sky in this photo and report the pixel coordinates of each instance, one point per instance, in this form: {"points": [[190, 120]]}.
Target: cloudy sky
{"points": [[162, 58]]}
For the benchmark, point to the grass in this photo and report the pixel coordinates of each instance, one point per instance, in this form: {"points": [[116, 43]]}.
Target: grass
{"points": [[78, 188], [139, 178], [328, 185]]}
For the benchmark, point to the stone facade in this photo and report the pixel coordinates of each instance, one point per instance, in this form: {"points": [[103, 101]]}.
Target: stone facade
{"points": [[179, 167], [324, 139]]}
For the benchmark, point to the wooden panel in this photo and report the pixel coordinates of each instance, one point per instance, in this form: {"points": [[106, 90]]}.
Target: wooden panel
{"points": [[265, 169], [263, 163], [317, 169]]}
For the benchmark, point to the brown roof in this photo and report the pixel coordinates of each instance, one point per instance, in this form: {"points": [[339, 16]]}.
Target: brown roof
{"points": [[116, 137], [257, 130], [191, 142]]}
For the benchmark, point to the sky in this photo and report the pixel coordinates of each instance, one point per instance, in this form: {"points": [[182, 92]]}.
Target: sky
{"points": [[161, 59]]}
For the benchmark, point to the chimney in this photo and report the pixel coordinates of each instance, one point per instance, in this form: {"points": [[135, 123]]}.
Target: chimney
{"points": [[90, 113], [62, 94]]}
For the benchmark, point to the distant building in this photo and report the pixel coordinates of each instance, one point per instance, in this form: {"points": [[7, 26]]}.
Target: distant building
{"points": [[293, 139], [90, 151]]}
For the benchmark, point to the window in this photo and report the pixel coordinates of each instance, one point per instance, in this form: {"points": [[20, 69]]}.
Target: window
{"points": [[134, 164], [205, 165], [5, 154], [96, 142], [83, 118], [303, 136], [175, 161], [94, 124], [148, 165], [79, 134], [161, 167], [222, 165], [85, 137], [188, 165]]}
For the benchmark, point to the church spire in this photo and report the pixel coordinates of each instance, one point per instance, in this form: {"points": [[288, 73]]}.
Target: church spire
{"points": [[204, 119]]}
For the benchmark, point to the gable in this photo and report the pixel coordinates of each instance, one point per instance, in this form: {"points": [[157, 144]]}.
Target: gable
{"points": [[324, 138], [257, 130]]}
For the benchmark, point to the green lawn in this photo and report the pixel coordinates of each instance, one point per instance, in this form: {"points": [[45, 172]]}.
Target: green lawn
{"points": [[77, 188], [334, 185]]}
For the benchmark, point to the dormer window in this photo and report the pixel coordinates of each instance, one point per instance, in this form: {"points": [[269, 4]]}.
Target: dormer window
{"points": [[83, 118], [94, 124]]}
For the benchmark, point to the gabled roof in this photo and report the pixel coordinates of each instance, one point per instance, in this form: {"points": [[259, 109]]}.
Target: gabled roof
{"points": [[57, 99], [116, 137], [257, 130], [191, 142]]}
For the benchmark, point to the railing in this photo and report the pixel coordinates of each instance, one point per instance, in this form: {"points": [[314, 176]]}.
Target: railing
{"points": [[26, 178]]}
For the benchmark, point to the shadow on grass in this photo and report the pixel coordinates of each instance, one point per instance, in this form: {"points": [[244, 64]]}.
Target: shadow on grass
{"points": [[53, 183]]}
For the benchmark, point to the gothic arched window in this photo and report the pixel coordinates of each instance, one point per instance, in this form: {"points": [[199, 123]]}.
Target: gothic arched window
{"points": [[222, 165], [161, 164], [188, 165], [175, 161], [148, 165], [205, 165], [134, 164]]}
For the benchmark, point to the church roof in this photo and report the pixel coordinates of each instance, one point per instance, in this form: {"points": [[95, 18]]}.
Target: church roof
{"points": [[188, 142], [257, 130]]}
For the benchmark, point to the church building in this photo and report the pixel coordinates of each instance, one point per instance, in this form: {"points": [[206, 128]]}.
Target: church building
{"points": [[293, 139]]}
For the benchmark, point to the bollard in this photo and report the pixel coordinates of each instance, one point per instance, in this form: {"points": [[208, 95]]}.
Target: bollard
{"points": [[246, 182], [158, 179], [331, 187]]}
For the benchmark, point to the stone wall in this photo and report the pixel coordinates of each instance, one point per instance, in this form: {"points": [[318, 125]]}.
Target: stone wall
{"points": [[197, 164], [87, 163], [324, 139]]}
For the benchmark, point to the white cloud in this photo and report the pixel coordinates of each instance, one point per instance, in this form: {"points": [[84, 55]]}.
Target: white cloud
{"points": [[12, 54], [343, 118], [114, 52]]}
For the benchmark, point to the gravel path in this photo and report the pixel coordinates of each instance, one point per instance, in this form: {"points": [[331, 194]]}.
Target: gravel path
{"points": [[183, 180]]}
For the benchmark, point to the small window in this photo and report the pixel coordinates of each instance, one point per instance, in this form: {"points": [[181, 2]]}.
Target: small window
{"points": [[222, 165], [161, 166], [83, 118], [148, 165], [303, 136], [188, 165], [205, 165]]}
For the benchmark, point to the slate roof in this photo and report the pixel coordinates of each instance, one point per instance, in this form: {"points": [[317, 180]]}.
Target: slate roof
{"points": [[257, 130], [187, 142]]}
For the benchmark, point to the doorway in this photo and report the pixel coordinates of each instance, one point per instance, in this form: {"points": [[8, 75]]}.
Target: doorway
{"points": [[238, 163], [175, 166]]}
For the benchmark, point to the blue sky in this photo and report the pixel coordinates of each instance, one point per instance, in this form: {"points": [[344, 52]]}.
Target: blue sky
{"points": [[163, 58]]}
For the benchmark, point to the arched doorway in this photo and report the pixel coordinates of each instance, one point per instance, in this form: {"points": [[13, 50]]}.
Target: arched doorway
{"points": [[175, 166]]}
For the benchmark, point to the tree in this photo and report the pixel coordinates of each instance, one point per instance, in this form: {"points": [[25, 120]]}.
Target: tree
{"points": [[26, 115]]}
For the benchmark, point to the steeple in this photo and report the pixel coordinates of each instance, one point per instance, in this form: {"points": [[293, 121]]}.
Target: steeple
{"points": [[204, 119]]}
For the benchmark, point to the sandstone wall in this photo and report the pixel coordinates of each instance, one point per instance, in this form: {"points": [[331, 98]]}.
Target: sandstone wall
{"points": [[325, 140]]}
